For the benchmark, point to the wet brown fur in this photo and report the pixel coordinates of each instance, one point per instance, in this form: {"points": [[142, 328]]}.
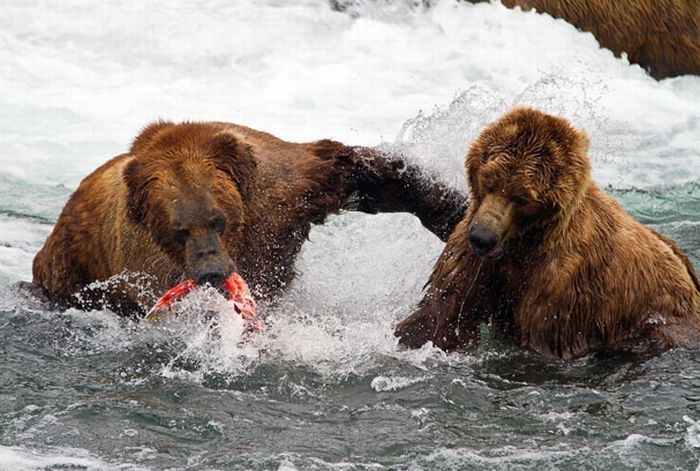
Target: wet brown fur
{"points": [[663, 36], [576, 274], [124, 217]]}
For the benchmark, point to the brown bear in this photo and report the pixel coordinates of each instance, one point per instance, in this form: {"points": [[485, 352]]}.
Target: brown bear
{"points": [[663, 36], [550, 260], [201, 200]]}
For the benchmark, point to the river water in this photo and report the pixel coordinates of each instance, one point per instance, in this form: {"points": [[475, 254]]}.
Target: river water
{"points": [[325, 386]]}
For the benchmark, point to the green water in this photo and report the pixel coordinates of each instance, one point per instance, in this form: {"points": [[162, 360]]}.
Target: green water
{"points": [[328, 389]]}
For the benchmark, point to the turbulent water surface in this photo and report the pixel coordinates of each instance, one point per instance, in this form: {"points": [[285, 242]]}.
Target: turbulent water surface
{"points": [[325, 386]]}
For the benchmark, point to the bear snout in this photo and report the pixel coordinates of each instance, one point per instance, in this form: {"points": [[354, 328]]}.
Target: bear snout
{"points": [[482, 239], [207, 260], [213, 270], [213, 277]]}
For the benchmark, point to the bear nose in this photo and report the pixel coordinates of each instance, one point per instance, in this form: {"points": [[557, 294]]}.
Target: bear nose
{"points": [[482, 239], [214, 278]]}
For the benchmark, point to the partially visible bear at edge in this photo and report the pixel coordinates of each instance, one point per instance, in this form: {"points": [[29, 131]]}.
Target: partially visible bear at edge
{"points": [[201, 200], [663, 36], [555, 264]]}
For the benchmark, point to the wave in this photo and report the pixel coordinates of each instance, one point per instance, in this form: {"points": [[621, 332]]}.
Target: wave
{"points": [[31, 200], [663, 204]]}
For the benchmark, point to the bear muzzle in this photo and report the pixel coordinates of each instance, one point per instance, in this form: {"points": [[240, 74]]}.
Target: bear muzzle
{"points": [[490, 227], [207, 260], [482, 239]]}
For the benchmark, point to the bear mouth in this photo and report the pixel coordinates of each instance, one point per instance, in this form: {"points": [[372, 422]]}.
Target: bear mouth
{"points": [[495, 253], [234, 288]]}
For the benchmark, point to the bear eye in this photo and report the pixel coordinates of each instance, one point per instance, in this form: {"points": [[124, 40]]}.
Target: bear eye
{"points": [[181, 235], [487, 186], [521, 200], [218, 224]]}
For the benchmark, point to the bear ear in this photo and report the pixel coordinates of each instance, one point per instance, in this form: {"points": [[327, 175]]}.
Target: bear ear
{"points": [[581, 142], [148, 134], [236, 160]]}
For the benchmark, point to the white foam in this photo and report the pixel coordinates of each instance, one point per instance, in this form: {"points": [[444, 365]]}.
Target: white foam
{"points": [[76, 94], [25, 459], [501, 458], [392, 383], [693, 432]]}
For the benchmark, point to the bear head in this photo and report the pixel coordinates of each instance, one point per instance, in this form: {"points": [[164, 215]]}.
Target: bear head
{"points": [[526, 172], [188, 186]]}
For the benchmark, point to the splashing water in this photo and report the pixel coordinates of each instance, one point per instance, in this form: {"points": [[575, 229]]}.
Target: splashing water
{"points": [[325, 385]]}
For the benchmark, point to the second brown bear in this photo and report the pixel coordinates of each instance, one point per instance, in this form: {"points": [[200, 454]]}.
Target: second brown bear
{"points": [[549, 259]]}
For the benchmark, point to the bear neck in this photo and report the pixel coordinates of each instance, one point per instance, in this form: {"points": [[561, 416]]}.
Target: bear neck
{"points": [[552, 231]]}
